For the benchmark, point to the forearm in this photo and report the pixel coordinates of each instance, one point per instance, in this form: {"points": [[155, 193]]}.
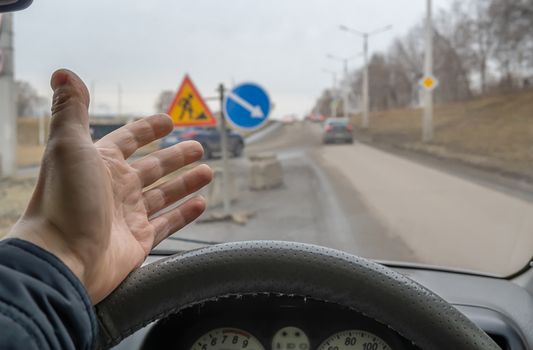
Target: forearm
{"points": [[42, 303]]}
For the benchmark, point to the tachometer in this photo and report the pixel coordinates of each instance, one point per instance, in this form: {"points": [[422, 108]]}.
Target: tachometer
{"points": [[354, 340], [227, 339], [290, 338]]}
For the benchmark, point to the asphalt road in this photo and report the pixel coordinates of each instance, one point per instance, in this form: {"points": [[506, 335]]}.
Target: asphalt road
{"points": [[375, 204], [315, 204], [444, 218]]}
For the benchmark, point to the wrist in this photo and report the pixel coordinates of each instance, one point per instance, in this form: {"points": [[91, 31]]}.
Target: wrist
{"points": [[42, 234]]}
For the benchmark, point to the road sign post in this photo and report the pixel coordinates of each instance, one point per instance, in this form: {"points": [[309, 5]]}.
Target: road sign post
{"points": [[245, 106], [226, 200]]}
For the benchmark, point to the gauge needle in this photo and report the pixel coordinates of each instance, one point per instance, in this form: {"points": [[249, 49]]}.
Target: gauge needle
{"points": [[255, 111]]}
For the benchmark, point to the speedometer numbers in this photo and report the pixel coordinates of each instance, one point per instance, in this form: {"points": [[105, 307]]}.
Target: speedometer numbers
{"points": [[290, 338], [287, 338], [354, 340], [227, 339]]}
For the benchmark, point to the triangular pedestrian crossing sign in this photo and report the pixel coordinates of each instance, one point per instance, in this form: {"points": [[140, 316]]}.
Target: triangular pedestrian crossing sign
{"points": [[188, 108]]}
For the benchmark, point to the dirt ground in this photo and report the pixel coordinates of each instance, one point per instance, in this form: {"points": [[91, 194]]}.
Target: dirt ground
{"points": [[15, 192], [494, 133], [14, 196]]}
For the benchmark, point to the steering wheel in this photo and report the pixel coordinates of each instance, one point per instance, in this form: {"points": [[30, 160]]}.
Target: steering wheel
{"points": [[285, 268]]}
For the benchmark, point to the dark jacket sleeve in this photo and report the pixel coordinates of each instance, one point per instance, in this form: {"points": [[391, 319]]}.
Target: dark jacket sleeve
{"points": [[43, 305]]}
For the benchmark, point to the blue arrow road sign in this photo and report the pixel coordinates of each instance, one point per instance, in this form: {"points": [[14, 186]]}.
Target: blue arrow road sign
{"points": [[247, 106]]}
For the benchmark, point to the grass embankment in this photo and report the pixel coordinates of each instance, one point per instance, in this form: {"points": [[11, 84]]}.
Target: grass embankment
{"points": [[494, 133]]}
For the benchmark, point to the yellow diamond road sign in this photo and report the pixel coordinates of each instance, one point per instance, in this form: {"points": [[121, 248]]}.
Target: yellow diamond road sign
{"points": [[429, 82]]}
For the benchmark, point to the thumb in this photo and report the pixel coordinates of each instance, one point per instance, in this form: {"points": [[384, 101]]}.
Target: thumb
{"points": [[69, 105]]}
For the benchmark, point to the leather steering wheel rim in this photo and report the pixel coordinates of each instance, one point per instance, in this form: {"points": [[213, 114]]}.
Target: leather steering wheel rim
{"points": [[286, 268]]}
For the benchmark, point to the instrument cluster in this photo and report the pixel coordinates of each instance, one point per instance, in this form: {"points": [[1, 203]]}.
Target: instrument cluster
{"points": [[271, 322], [288, 338]]}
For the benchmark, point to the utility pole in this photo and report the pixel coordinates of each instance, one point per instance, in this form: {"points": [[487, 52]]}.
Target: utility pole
{"points": [[346, 86], [427, 123], [366, 97], [224, 147], [333, 90], [366, 104], [8, 121]]}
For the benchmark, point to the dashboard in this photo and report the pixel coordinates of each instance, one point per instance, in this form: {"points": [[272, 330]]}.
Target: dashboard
{"points": [[504, 313], [271, 322]]}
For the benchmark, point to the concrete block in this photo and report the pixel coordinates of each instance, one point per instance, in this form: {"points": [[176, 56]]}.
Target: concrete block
{"points": [[265, 172], [214, 193]]}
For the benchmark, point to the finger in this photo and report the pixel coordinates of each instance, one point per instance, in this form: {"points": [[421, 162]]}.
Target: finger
{"points": [[131, 137], [160, 163], [70, 117], [171, 191], [166, 224]]}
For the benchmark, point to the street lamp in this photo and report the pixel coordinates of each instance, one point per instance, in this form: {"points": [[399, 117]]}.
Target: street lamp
{"points": [[365, 36], [344, 61], [333, 90]]}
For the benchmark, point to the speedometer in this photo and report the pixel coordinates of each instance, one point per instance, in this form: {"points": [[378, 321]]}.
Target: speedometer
{"points": [[354, 340], [289, 338], [227, 339]]}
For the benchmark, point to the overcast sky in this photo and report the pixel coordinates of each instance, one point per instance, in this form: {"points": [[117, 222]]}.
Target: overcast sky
{"points": [[147, 46]]}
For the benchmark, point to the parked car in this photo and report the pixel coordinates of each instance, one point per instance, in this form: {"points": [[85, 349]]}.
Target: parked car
{"points": [[338, 129], [100, 130], [209, 138]]}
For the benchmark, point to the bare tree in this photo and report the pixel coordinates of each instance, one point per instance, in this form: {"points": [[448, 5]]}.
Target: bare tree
{"points": [[28, 101], [479, 46], [450, 70], [483, 41], [324, 102], [512, 21], [407, 58], [163, 101]]}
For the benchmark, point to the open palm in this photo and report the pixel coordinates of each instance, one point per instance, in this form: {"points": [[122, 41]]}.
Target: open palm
{"points": [[91, 207]]}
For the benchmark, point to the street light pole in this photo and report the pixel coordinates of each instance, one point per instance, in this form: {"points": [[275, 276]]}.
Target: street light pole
{"points": [[427, 123], [366, 105], [345, 88], [366, 97], [333, 90]]}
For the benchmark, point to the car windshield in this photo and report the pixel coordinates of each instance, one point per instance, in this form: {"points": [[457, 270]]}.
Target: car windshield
{"points": [[434, 166]]}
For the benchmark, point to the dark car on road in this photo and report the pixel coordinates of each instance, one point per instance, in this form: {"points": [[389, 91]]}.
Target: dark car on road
{"points": [[209, 138], [338, 130]]}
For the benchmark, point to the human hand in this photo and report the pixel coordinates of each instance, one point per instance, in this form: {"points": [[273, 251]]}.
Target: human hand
{"points": [[90, 207]]}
